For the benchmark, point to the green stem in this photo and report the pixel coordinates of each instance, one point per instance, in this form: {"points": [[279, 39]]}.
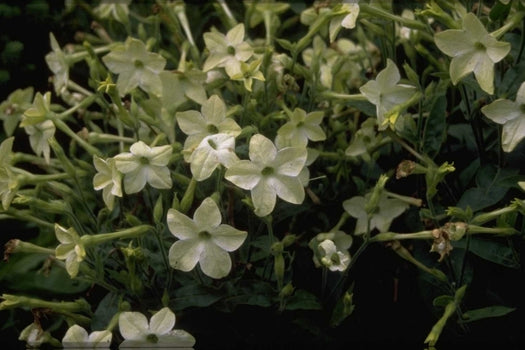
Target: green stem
{"points": [[378, 12], [99, 238], [65, 128], [516, 19]]}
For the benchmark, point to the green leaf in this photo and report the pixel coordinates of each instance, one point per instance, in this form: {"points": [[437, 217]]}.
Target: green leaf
{"points": [[436, 126], [285, 44], [499, 11], [492, 250], [492, 185], [486, 312], [106, 309], [303, 300], [442, 300], [195, 295]]}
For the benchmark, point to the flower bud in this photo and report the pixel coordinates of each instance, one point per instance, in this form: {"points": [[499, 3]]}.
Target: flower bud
{"points": [[287, 290], [288, 240]]}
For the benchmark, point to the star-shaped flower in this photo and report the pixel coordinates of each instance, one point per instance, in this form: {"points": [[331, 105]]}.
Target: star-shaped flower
{"points": [[385, 92], [77, 337], [302, 127], [212, 151], [512, 115], [136, 66], [203, 240], [39, 135], [209, 121], [71, 249], [57, 62], [269, 173], [157, 333], [227, 50], [111, 9], [12, 109], [108, 179], [472, 49], [246, 72], [387, 210], [144, 164]]}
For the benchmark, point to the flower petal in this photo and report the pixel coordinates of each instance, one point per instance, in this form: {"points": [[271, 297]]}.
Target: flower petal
{"points": [[462, 65], [513, 133], [184, 255], [162, 321], [287, 188], [207, 215], [215, 262], [263, 198], [484, 72], [158, 177], [290, 161], [133, 325], [180, 225], [262, 150], [501, 111], [244, 174], [214, 110], [191, 122], [227, 237]]}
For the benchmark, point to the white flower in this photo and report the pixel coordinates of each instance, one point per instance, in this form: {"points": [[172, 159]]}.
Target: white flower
{"points": [[136, 66], [385, 92], [472, 49], [227, 50], [302, 127], [39, 135], [71, 249], [209, 121], [203, 240], [269, 173], [144, 164], [58, 64], [349, 11], [212, 151], [512, 115], [333, 259], [78, 338], [108, 179], [157, 333]]}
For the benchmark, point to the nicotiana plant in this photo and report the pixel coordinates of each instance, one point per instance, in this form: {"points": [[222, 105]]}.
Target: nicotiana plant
{"points": [[209, 157]]}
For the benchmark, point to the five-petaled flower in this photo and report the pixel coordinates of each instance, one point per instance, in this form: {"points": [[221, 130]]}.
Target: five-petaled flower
{"points": [[203, 240], [209, 121], [136, 66], [472, 49], [385, 92], [144, 164], [512, 115], [157, 333], [108, 179], [227, 50], [71, 249], [269, 173], [301, 128], [214, 150]]}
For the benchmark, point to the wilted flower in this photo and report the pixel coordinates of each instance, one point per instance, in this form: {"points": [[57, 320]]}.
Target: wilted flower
{"points": [[472, 49], [203, 240], [157, 333], [144, 164], [269, 173], [136, 66], [512, 115]]}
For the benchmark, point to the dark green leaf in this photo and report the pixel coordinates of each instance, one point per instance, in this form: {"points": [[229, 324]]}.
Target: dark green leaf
{"points": [[499, 11], [495, 251], [195, 295], [303, 300], [106, 309], [443, 300], [436, 126], [486, 312]]}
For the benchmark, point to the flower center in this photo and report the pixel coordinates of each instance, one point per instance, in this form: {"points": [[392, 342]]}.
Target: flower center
{"points": [[230, 50], [144, 160], [212, 144], [267, 171], [300, 124], [212, 129], [204, 235], [335, 259], [138, 64], [152, 338], [479, 46]]}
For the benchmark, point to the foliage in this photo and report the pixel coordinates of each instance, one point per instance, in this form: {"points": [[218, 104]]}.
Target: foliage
{"points": [[265, 159]]}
